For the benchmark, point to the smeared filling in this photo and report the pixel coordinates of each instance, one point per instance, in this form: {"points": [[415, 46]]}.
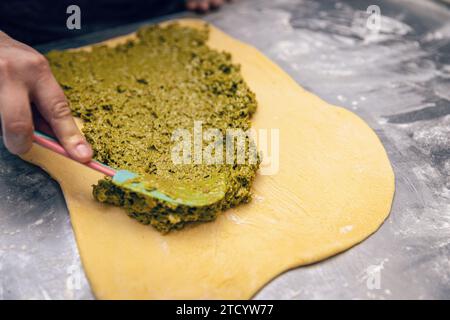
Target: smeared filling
{"points": [[134, 96]]}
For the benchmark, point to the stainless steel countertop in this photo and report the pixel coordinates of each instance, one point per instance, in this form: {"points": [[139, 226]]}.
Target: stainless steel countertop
{"points": [[399, 82]]}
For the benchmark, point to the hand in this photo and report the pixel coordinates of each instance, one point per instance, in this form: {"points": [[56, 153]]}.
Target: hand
{"points": [[204, 5], [26, 78]]}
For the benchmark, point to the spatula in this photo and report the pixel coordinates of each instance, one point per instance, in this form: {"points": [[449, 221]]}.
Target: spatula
{"points": [[203, 193]]}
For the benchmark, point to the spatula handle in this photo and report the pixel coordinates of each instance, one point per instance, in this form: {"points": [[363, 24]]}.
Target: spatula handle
{"points": [[53, 145]]}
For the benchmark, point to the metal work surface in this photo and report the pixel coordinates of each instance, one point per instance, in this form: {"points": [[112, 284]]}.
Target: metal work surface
{"points": [[397, 80]]}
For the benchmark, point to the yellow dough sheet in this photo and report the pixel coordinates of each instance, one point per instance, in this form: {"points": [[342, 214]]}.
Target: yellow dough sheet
{"points": [[333, 189]]}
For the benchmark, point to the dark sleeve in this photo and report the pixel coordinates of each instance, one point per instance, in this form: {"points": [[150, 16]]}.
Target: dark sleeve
{"points": [[40, 21]]}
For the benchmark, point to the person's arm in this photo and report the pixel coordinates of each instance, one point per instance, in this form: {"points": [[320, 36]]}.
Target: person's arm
{"points": [[25, 78]]}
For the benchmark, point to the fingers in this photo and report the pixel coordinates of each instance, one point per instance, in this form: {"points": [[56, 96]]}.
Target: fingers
{"points": [[198, 5], [17, 123], [51, 102], [216, 3], [203, 5], [191, 5]]}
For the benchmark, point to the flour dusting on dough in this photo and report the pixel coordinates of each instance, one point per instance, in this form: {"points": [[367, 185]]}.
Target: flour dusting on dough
{"points": [[346, 229]]}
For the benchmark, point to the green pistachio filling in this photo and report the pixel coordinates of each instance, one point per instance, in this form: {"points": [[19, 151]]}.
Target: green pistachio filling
{"points": [[134, 96]]}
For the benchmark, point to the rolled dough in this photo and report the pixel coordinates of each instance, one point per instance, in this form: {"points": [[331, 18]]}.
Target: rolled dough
{"points": [[334, 188]]}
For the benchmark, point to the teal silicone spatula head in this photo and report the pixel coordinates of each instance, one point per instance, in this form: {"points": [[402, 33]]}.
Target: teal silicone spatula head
{"points": [[188, 193], [200, 193]]}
